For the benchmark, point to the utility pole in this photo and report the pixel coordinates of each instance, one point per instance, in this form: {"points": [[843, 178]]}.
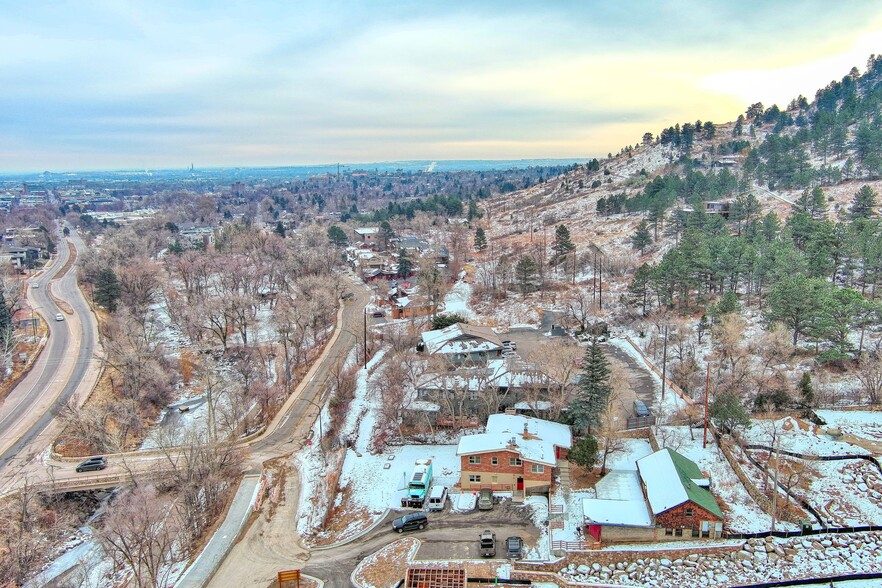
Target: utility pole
{"points": [[365, 338], [775, 486], [574, 267], [600, 282], [664, 363], [594, 279], [706, 395]]}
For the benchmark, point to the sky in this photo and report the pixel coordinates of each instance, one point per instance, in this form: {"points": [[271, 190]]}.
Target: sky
{"points": [[107, 84]]}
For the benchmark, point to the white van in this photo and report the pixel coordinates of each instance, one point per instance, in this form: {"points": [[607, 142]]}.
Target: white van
{"points": [[437, 498]]}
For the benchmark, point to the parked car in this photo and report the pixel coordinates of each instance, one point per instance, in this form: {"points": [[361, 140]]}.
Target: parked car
{"points": [[485, 499], [437, 498], [411, 521], [59, 317], [93, 464], [378, 314], [488, 543], [509, 345], [640, 409], [513, 547], [36, 285]]}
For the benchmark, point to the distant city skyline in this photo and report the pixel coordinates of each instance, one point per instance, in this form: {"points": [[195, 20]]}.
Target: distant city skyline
{"points": [[123, 85]]}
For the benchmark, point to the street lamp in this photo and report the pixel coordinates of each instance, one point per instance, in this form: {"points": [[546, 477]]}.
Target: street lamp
{"points": [[321, 435], [355, 335]]}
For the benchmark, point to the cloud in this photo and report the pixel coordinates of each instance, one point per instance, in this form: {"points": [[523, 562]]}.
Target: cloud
{"points": [[129, 84]]}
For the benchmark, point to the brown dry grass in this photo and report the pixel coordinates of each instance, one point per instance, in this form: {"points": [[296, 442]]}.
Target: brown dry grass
{"points": [[388, 565], [580, 478], [19, 370]]}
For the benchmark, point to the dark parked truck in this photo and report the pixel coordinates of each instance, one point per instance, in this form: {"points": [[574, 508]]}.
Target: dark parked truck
{"points": [[418, 488], [488, 544]]}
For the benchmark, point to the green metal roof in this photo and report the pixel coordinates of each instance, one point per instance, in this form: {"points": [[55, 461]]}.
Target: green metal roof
{"points": [[688, 471]]}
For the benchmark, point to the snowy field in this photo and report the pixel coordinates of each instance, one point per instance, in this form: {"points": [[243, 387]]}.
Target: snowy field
{"points": [[799, 437], [860, 423], [743, 514], [376, 487], [458, 299], [633, 449]]}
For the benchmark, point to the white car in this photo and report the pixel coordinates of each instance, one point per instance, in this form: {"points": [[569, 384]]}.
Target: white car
{"points": [[59, 317]]}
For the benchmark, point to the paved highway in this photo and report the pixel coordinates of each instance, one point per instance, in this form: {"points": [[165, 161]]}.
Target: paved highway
{"points": [[59, 373]]}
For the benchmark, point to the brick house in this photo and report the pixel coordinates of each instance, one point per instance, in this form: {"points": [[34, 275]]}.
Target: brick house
{"points": [[666, 497], [516, 454], [678, 495]]}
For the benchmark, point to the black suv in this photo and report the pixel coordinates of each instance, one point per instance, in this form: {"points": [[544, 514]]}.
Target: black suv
{"points": [[409, 522], [93, 464]]}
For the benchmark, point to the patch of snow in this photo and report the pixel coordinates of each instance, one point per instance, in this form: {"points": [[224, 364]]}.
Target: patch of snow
{"points": [[457, 301], [538, 506], [375, 489]]}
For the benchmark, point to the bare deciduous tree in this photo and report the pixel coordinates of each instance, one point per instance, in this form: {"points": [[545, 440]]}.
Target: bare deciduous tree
{"points": [[141, 534]]}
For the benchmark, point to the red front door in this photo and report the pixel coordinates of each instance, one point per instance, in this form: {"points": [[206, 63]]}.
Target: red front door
{"points": [[520, 483], [594, 531]]}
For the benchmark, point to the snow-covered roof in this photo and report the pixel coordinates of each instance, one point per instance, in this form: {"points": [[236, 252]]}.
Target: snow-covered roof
{"points": [[667, 477], [367, 230], [616, 513], [620, 485], [461, 338], [533, 439]]}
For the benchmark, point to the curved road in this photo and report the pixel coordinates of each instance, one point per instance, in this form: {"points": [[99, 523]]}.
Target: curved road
{"points": [[28, 410]]}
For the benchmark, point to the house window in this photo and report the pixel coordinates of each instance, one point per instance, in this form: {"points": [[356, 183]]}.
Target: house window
{"points": [[474, 478], [494, 479], [514, 461], [537, 468], [473, 394], [688, 512], [474, 459], [678, 532], [669, 531], [494, 461]]}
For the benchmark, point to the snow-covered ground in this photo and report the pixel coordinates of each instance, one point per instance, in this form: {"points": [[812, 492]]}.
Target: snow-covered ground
{"points": [[860, 423], [847, 493], [798, 436], [538, 506], [743, 514], [626, 459], [458, 300], [378, 482]]}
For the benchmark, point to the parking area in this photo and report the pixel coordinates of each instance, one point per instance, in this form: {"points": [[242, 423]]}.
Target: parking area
{"points": [[454, 535]]}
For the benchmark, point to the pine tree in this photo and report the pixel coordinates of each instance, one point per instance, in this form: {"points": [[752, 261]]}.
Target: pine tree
{"points": [[806, 390], [336, 236], [638, 289], [280, 229], [584, 452], [474, 211], [594, 388], [405, 264], [107, 289], [864, 204], [525, 271], [641, 239], [563, 244], [480, 239]]}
